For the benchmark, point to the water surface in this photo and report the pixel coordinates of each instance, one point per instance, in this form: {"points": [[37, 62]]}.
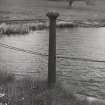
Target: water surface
{"points": [[81, 61]]}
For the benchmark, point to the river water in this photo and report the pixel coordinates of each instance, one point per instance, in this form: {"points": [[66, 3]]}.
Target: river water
{"points": [[81, 61], [81, 51]]}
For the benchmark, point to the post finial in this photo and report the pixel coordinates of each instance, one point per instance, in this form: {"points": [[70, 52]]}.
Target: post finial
{"points": [[52, 14]]}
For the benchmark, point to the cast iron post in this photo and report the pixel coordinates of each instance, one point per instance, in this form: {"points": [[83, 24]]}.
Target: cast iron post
{"points": [[52, 49]]}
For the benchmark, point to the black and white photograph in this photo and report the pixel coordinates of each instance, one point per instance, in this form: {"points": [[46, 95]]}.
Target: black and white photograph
{"points": [[52, 52]]}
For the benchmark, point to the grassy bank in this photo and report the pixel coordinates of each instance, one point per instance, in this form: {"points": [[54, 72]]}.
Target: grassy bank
{"points": [[28, 91]]}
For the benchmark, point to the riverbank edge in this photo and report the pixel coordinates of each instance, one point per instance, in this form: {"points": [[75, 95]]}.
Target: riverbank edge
{"points": [[29, 90], [26, 27], [36, 91]]}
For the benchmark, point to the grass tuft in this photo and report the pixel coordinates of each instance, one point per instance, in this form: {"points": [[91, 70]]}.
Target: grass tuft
{"points": [[6, 77]]}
